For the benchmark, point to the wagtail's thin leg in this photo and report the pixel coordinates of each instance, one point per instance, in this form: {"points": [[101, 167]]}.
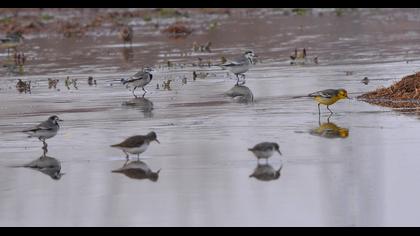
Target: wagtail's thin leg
{"points": [[330, 110], [133, 91]]}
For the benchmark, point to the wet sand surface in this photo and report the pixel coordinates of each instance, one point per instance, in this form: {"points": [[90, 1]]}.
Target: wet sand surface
{"points": [[368, 178]]}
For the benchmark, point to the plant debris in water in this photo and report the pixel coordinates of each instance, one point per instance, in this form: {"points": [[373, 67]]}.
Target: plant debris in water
{"points": [[402, 94], [178, 29]]}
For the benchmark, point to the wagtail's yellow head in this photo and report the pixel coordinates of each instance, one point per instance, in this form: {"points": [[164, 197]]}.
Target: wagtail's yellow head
{"points": [[342, 94]]}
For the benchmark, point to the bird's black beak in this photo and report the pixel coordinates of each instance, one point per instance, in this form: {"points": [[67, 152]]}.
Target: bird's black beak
{"points": [[60, 120], [278, 150], [157, 141]]}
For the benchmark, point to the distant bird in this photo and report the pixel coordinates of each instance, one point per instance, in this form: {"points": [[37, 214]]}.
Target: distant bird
{"points": [[138, 170], [140, 79], [11, 41], [200, 75], [265, 150], [265, 172], [365, 80], [297, 55], [52, 83], [126, 34], [240, 65], [167, 84], [136, 144], [23, 86], [328, 97]]}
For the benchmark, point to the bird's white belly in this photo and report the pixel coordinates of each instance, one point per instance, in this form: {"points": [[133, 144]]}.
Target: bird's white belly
{"points": [[43, 134], [141, 83], [137, 150], [263, 154], [239, 69]]}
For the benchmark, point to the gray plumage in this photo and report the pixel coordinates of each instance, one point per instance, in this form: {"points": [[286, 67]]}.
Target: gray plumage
{"points": [[136, 144], [46, 129], [327, 93], [240, 65], [139, 79], [265, 150]]}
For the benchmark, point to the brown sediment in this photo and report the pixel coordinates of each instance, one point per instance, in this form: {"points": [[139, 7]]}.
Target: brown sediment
{"points": [[178, 29], [36, 20], [402, 94]]}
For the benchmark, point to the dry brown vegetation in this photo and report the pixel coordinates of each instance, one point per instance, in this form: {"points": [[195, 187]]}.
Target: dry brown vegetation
{"points": [[402, 94]]}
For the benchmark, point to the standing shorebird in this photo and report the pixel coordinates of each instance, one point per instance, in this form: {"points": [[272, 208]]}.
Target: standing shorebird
{"points": [[265, 150], [328, 97], [240, 65], [45, 130], [298, 55], [136, 144], [126, 34], [11, 41], [140, 79]]}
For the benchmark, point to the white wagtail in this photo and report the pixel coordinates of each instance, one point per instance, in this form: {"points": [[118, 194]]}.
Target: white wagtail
{"points": [[45, 130], [138, 170], [136, 144], [266, 172], [240, 65], [265, 150], [140, 79]]}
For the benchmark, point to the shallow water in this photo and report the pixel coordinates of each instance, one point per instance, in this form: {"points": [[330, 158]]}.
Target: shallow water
{"points": [[368, 178]]}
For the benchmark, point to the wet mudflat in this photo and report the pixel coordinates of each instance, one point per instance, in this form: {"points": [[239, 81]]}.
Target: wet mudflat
{"points": [[365, 178]]}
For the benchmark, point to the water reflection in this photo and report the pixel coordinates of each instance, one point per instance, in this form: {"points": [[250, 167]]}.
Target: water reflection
{"points": [[240, 93], [329, 130], [127, 53], [266, 172], [143, 104], [138, 170], [47, 165]]}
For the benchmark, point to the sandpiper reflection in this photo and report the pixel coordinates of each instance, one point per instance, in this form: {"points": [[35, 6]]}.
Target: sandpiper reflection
{"points": [[240, 94], [266, 172], [138, 170]]}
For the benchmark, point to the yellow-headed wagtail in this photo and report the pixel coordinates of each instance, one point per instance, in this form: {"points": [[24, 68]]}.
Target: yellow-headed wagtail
{"points": [[328, 97]]}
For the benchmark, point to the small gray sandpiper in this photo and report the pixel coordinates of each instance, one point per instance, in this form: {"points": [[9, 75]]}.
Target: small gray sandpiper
{"points": [[265, 150], [136, 144]]}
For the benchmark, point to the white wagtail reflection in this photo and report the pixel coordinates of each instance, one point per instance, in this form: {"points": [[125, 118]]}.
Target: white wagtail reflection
{"points": [[47, 165], [138, 170], [241, 94]]}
